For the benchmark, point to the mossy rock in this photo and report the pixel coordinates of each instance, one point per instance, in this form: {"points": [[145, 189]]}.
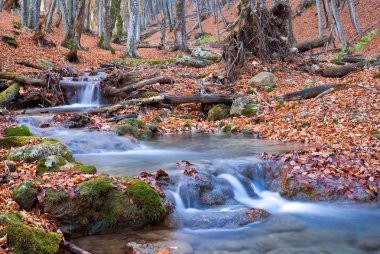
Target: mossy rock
{"points": [[24, 239], [218, 112], [41, 151], [245, 106], [95, 187], [9, 40], [136, 128], [50, 164], [86, 169], [25, 194], [22, 130], [9, 142], [16, 24], [147, 198]]}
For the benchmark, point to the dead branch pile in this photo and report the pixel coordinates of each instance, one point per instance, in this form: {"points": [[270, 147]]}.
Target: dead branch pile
{"points": [[261, 32]]}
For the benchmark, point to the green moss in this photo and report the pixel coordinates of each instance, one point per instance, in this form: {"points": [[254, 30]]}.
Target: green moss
{"points": [[9, 142], [22, 130], [246, 132], [127, 129], [202, 75], [86, 169], [377, 75], [250, 90], [25, 239], [114, 206], [148, 199], [16, 24], [187, 124], [101, 40], [337, 61], [67, 42], [305, 124], [96, 187], [213, 58], [9, 40], [250, 109], [207, 38], [143, 61], [50, 164], [218, 112], [45, 62], [25, 194], [149, 94], [8, 94], [156, 120], [119, 28], [53, 197]]}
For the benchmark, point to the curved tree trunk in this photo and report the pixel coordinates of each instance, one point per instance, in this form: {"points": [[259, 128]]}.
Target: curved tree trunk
{"points": [[354, 19]]}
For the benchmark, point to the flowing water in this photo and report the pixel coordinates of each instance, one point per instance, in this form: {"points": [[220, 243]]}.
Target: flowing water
{"points": [[292, 227]]}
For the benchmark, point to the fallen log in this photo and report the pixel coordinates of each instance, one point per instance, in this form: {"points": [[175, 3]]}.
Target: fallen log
{"points": [[306, 45], [22, 79], [9, 94], [353, 59], [168, 99], [27, 64], [149, 46], [309, 93], [118, 118], [124, 91], [149, 33], [72, 248], [341, 71]]}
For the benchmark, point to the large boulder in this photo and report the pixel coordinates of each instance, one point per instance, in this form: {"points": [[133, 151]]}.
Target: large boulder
{"points": [[206, 54], [25, 194], [263, 80], [195, 62], [245, 106], [40, 151], [218, 112]]}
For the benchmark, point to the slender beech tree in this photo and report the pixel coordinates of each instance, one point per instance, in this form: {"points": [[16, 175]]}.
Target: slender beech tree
{"points": [[320, 17], [50, 16], [180, 37], [354, 19], [338, 25], [78, 22], [132, 30], [111, 9]]}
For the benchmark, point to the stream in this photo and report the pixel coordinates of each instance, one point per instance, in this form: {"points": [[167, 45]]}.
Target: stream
{"points": [[293, 227]]}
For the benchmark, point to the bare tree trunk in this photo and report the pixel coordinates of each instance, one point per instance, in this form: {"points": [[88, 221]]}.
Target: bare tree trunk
{"points": [[1, 5], [125, 16], [50, 16], [24, 13], [354, 19], [100, 17], [111, 10], [221, 14], [32, 18], [199, 15], [338, 24], [180, 37], [66, 11], [217, 21], [132, 31], [78, 22], [320, 17]]}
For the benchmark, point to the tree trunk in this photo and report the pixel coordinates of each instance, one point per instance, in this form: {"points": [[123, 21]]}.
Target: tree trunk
{"points": [[50, 16], [1, 5], [68, 41], [199, 16], [320, 17], [354, 19], [338, 24], [221, 14], [100, 17], [180, 37], [125, 16], [24, 13], [111, 10], [22, 79], [32, 16], [78, 22], [9, 94], [339, 72], [132, 31]]}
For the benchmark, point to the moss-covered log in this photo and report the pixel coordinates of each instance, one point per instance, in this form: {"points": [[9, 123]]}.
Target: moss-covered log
{"points": [[311, 43], [9, 94], [9, 40], [22, 79], [341, 71], [31, 65]]}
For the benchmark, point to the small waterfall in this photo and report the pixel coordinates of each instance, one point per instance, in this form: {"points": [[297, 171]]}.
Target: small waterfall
{"points": [[82, 91], [177, 199]]}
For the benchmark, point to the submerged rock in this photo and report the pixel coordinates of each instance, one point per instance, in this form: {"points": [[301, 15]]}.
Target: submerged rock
{"points": [[77, 121], [245, 106], [136, 128], [218, 112], [22, 238], [40, 151]]}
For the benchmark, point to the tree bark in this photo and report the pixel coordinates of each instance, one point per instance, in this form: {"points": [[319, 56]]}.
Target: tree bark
{"points": [[180, 37], [338, 24], [9, 94], [50, 16], [78, 22], [132, 31], [353, 17], [307, 93], [311, 43], [22, 79], [339, 72], [320, 17], [111, 9]]}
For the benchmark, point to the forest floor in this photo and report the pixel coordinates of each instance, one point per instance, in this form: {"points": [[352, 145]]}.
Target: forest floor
{"points": [[339, 129]]}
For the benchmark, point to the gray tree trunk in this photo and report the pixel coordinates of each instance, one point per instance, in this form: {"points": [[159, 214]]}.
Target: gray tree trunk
{"points": [[221, 14], [338, 24], [32, 16], [125, 16], [320, 17], [78, 22], [132, 31], [111, 9], [1, 5], [24, 13], [50, 16], [353, 17], [199, 15], [180, 37]]}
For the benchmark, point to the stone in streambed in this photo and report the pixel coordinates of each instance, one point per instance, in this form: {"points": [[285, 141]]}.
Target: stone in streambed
{"points": [[136, 128], [218, 112], [22, 130], [245, 106]]}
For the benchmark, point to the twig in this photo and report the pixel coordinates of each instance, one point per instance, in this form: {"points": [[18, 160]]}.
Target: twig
{"points": [[261, 98], [321, 95], [369, 88], [364, 31]]}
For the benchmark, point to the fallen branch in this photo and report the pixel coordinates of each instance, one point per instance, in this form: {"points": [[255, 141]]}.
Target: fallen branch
{"points": [[27, 64], [22, 79], [353, 59], [72, 248], [9, 94], [124, 91], [168, 99], [365, 30], [332, 89], [118, 118], [339, 72], [149, 46], [309, 93], [312, 43]]}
